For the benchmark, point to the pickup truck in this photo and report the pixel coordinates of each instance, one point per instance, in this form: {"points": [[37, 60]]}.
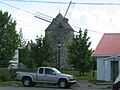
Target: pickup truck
{"points": [[47, 75]]}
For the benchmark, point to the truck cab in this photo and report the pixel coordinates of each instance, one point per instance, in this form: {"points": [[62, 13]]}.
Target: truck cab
{"points": [[47, 75]]}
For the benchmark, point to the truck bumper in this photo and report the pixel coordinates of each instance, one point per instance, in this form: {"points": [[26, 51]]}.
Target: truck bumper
{"points": [[72, 82]]}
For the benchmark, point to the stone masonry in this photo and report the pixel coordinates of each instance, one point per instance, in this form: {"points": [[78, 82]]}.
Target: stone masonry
{"points": [[59, 31]]}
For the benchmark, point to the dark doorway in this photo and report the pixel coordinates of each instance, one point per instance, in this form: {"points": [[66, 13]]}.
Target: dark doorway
{"points": [[114, 70]]}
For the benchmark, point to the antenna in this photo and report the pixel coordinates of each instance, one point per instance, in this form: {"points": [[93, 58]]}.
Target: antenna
{"points": [[59, 9]]}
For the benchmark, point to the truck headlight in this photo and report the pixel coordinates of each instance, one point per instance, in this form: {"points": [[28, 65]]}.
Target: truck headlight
{"points": [[71, 78]]}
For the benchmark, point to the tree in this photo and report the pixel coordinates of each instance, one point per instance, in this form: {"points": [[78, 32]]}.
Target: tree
{"points": [[26, 56], [48, 52], [9, 40], [23, 42], [38, 53], [79, 52], [25, 53], [37, 50], [43, 52]]}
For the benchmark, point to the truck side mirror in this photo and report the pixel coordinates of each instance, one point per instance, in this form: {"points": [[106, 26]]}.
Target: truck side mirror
{"points": [[54, 73]]}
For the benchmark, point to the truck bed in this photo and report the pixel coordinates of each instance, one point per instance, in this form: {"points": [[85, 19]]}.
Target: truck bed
{"points": [[20, 75]]}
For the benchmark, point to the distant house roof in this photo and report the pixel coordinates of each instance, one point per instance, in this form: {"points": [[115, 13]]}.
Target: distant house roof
{"points": [[109, 45], [56, 22]]}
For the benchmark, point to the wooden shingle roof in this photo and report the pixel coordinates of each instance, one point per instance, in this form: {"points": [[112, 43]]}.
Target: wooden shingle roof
{"points": [[109, 45]]}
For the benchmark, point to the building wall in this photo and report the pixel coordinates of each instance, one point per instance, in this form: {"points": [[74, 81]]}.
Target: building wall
{"points": [[107, 70], [104, 68], [64, 36], [119, 66], [100, 69]]}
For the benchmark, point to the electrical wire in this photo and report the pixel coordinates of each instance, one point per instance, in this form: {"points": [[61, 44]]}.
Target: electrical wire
{"points": [[28, 26], [17, 8], [41, 14], [88, 29], [10, 5], [37, 13], [52, 2]]}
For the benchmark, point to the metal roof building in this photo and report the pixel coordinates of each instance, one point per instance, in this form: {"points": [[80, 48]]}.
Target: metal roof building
{"points": [[108, 57]]}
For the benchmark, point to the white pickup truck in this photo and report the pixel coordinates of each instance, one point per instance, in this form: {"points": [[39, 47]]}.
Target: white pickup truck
{"points": [[47, 75]]}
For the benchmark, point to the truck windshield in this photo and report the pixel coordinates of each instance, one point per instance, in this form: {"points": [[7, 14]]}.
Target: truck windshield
{"points": [[56, 70]]}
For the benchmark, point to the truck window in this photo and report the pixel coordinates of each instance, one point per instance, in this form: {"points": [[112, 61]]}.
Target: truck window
{"points": [[41, 71], [48, 71]]}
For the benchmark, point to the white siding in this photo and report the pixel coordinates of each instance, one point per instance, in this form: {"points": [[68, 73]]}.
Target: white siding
{"points": [[100, 69], [107, 70], [119, 66]]}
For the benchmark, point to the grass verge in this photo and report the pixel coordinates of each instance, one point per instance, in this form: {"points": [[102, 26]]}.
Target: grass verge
{"points": [[10, 83], [86, 76]]}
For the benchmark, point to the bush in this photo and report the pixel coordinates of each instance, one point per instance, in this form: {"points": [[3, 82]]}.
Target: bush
{"points": [[6, 75]]}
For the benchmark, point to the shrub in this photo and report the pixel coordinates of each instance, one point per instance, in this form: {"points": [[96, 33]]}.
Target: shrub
{"points": [[6, 75]]}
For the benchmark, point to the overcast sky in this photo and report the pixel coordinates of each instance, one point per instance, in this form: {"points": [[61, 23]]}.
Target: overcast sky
{"points": [[98, 19]]}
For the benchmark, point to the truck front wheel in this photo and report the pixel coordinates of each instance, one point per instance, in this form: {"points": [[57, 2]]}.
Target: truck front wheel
{"points": [[27, 82], [63, 83]]}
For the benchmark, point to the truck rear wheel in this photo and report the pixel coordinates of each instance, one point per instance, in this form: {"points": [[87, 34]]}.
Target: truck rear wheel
{"points": [[63, 83], [27, 82]]}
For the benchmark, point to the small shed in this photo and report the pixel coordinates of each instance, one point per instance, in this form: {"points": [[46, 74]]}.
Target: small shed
{"points": [[108, 57]]}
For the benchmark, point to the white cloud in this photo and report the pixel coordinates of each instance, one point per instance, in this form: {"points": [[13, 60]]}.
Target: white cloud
{"points": [[100, 20], [115, 20], [75, 14]]}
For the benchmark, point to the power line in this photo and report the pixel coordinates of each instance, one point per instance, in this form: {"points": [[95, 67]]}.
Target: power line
{"points": [[35, 15], [99, 3], [41, 14], [52, 2], [25, 10], [88, 30], [29, 26], [21, 10], [10, 5], [16, 8]]}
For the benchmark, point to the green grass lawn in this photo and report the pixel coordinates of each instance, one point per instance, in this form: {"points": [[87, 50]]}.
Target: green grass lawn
{"points": [[87, 75]]}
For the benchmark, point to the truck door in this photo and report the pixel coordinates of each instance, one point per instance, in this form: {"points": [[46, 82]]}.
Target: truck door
{"points": [[40, 75], [50, 76]]}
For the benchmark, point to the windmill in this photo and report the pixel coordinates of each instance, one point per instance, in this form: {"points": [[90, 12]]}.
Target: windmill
{"points": [[60, 33]]}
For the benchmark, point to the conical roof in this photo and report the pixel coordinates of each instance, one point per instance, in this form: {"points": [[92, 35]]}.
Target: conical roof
{"points": [[59, 19]]}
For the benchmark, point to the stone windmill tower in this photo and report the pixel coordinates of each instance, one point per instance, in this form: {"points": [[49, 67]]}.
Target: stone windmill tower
{"points": [[60, 34]]}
